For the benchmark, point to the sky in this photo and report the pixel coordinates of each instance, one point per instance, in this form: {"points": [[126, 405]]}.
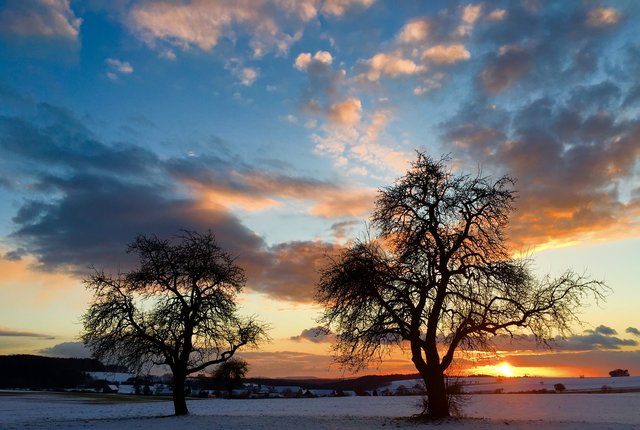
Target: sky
{"points": [[274, 123]]}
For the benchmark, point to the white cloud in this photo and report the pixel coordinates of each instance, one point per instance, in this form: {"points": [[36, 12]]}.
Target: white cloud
{"points": [[122, 67], [429, 84], [248, 76], [168, 54], [117, 68], [291, 119], [359, 146], [40, 18]]}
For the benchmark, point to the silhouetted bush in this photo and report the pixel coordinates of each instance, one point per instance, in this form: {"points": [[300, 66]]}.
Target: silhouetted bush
{"points": [[559, 387], [619, 372]]}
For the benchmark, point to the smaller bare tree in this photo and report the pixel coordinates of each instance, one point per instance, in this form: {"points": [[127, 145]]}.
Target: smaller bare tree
{"points": [[177, 309], [230, 374]]}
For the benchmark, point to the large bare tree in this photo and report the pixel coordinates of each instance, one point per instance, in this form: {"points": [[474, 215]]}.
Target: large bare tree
{"points": [[177, 309], [435, 276]]}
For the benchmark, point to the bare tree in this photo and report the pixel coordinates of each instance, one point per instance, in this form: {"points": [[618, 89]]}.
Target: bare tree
{"points": [[438, 277], [177, 309]]}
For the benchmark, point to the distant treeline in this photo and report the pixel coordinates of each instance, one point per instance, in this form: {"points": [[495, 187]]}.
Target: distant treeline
{"points": [[36, 372], [363, 383]]}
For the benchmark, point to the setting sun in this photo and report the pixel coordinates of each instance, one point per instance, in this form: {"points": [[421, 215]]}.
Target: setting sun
{"points": [[504, 369]]}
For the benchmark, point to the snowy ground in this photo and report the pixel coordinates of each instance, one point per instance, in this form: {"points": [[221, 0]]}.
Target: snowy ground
{"points": [[484, 411], [515, 385]]}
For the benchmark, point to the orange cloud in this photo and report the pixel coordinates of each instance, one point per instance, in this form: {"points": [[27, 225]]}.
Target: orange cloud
{"points": [[19, 280], [603, 17], [392, 65], [202, 23], [304, 60], [52, 18], [497, 15], [254, 191], [346, 112], [414, 31], [470, 15], [446, 54], [356, 202], [339, 7], [287, 271], [212, 196]]}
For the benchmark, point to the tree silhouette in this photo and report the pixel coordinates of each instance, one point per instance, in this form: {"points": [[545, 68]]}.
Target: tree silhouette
{"points": [[230, 374], [178, 309], [436, 276]]}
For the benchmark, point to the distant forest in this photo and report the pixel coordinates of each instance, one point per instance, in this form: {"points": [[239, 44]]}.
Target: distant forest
{"points": [[363, 383], [36, 372]]}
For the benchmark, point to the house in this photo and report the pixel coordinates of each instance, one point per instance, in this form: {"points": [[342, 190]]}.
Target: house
{"points": [[162, 390]]}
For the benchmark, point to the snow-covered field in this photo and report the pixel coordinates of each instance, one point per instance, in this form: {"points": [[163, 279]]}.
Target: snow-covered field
{"points": [[522, 411], [519, 385]]}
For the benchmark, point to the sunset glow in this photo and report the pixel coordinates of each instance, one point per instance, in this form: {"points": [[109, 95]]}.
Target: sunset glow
{"points": [[505, 369], [274, 124]]}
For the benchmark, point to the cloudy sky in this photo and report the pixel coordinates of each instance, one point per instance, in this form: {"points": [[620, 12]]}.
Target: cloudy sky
{"points": [[274, 122]]}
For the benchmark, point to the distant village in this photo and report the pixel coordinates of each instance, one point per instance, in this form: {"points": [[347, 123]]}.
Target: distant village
{"points": [[201, 386]]}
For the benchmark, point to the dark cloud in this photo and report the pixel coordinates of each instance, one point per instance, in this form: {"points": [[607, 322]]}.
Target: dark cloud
{"points": [[15, 333], [558, 128], [86, 200], [290, 270], [604, 330], [316, 334], [67, 350], [507, 66], [632, 330], [55, 138], [15, 255], [98, 215], [344, 229], [592, 341], [570, 153], [601, 338], [236, 178]]}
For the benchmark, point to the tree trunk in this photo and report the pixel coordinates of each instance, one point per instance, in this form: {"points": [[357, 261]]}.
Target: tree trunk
{"points": [[436, 393], [179, 399], [433, 377]]}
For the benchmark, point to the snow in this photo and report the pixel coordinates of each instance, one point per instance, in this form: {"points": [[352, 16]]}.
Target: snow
{"points": [[519, 385], [514, 385], [483, 411]]}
